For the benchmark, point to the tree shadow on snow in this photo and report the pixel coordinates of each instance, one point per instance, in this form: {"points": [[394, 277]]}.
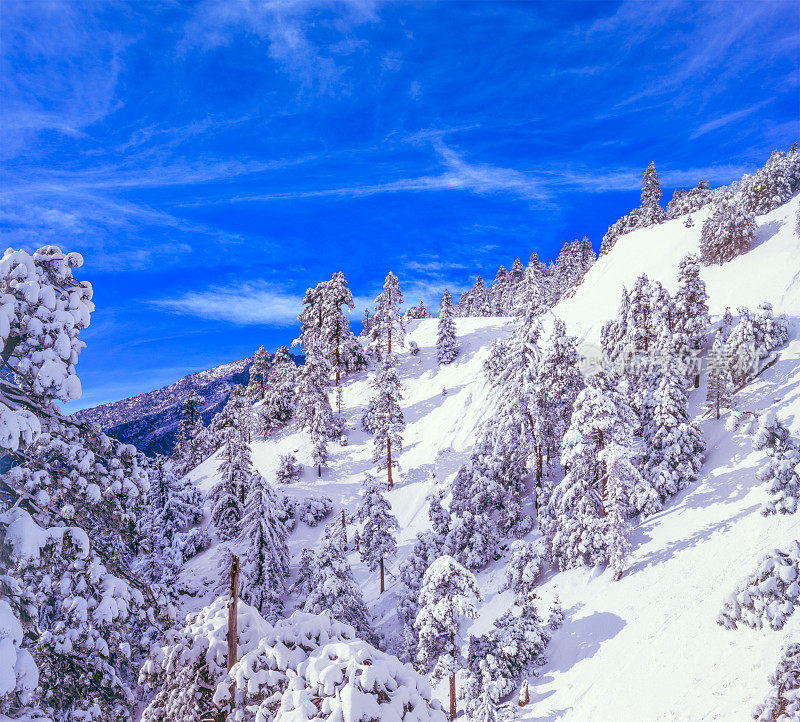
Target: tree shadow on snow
{"points": [[581, 638]]}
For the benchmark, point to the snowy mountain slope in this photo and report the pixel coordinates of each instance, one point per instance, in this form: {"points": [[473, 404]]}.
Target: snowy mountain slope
{"points": [[645, 647], [149, 420]]}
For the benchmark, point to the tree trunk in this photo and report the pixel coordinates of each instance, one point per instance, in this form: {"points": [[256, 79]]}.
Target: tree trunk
{"points": [[233, 608], [382, 575], [344, 531], [603, 475], [389, 463], [319, 469], [539, 464], [453, 697]]}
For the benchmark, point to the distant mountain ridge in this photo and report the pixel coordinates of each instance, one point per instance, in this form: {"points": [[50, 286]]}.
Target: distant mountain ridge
{"points": [[149, 421]]}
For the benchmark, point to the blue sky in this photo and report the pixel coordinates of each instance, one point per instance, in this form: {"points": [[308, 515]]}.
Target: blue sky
{"points": [[213, 159]]}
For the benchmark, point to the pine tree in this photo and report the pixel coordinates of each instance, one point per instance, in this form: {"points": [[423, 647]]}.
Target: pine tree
{"points": [[446, 348], [686, 202], [556, 619], [783, 701], [781, 470], [474, 301], [259, 370], [691, 307], [74, 609], [500, 293], [557, 383], [522, 568], [265, 565], [189, 439], [383, 417], [313, 410], [334, 587], [445, 599], [377, 542], [651, 210], [280, 393], [387, 327], [235, 470], [770, 594], [324, 326], [674, 445], [727, 233], [719, 394], [577, 522]]}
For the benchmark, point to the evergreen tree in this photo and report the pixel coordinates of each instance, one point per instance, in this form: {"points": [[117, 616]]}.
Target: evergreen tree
{"points": [[783, 701], [377, 542], [265, 565], [73, 609], [500, 293], [446, 347], [556, 619], [259, 370], [522, 568], [324, 326], [475, 301], [651, 210], [313, 406], [445, 599], [190, 437], [727, 233], [387, 327], [334, 587], [235, 470], [719, 394], [577, 521], [686, 202], [781, 470], [386, 416], [417, 312], [557, 383], [280, 393], [674, 445], [691, 307]]}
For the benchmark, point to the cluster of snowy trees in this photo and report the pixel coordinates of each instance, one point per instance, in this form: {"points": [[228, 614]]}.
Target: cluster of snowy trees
{"points": [[537, 285]]}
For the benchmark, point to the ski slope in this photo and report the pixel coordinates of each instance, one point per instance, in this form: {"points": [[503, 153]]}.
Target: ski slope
{"points": [[646, 647]]}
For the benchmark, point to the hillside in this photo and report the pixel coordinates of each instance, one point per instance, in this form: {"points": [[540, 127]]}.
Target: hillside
{"points": [[646, 646]]}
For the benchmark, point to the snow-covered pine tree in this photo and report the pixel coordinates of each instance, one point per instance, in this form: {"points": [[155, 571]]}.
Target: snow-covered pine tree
{"points": [[674, 445], [522, 568], [446, 346], [445, 601], [334, 588], [265, 563], [556, 618], [417, 312], [324, 326], [388, 329], [69, 508], [719, 394], [376, 541], [770, 594], [280, 393], [384, 416], [313, 407], [576, 522], [235, 469], [557, 383], [190, 437], [304, 582], [781, 470], [686, 202], [500, 292], [288, 469], [727, 233], [690, 315], [770, 186], [783, 701], [259, 371], [474, 301], [651, 210], [622, 479]]}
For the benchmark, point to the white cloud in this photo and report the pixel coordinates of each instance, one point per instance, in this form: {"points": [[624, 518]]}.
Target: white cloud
{"points": [[244, 304]]}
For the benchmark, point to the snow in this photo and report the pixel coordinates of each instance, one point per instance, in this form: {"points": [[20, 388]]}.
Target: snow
{"points": [[646, 646]]}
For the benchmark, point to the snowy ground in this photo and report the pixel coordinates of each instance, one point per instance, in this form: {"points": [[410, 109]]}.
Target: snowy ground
{"points": [[643, 648]]}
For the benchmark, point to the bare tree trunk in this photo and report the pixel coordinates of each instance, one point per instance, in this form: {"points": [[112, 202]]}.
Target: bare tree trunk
{"points": [[233, 609], [453, 697], [319, 469], [603, 475], [344, 531], [382, 587], [389, 463]]}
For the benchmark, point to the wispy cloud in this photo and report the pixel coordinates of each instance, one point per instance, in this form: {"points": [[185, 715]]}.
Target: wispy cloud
{"points": [[246, 303], [729, 118]]}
